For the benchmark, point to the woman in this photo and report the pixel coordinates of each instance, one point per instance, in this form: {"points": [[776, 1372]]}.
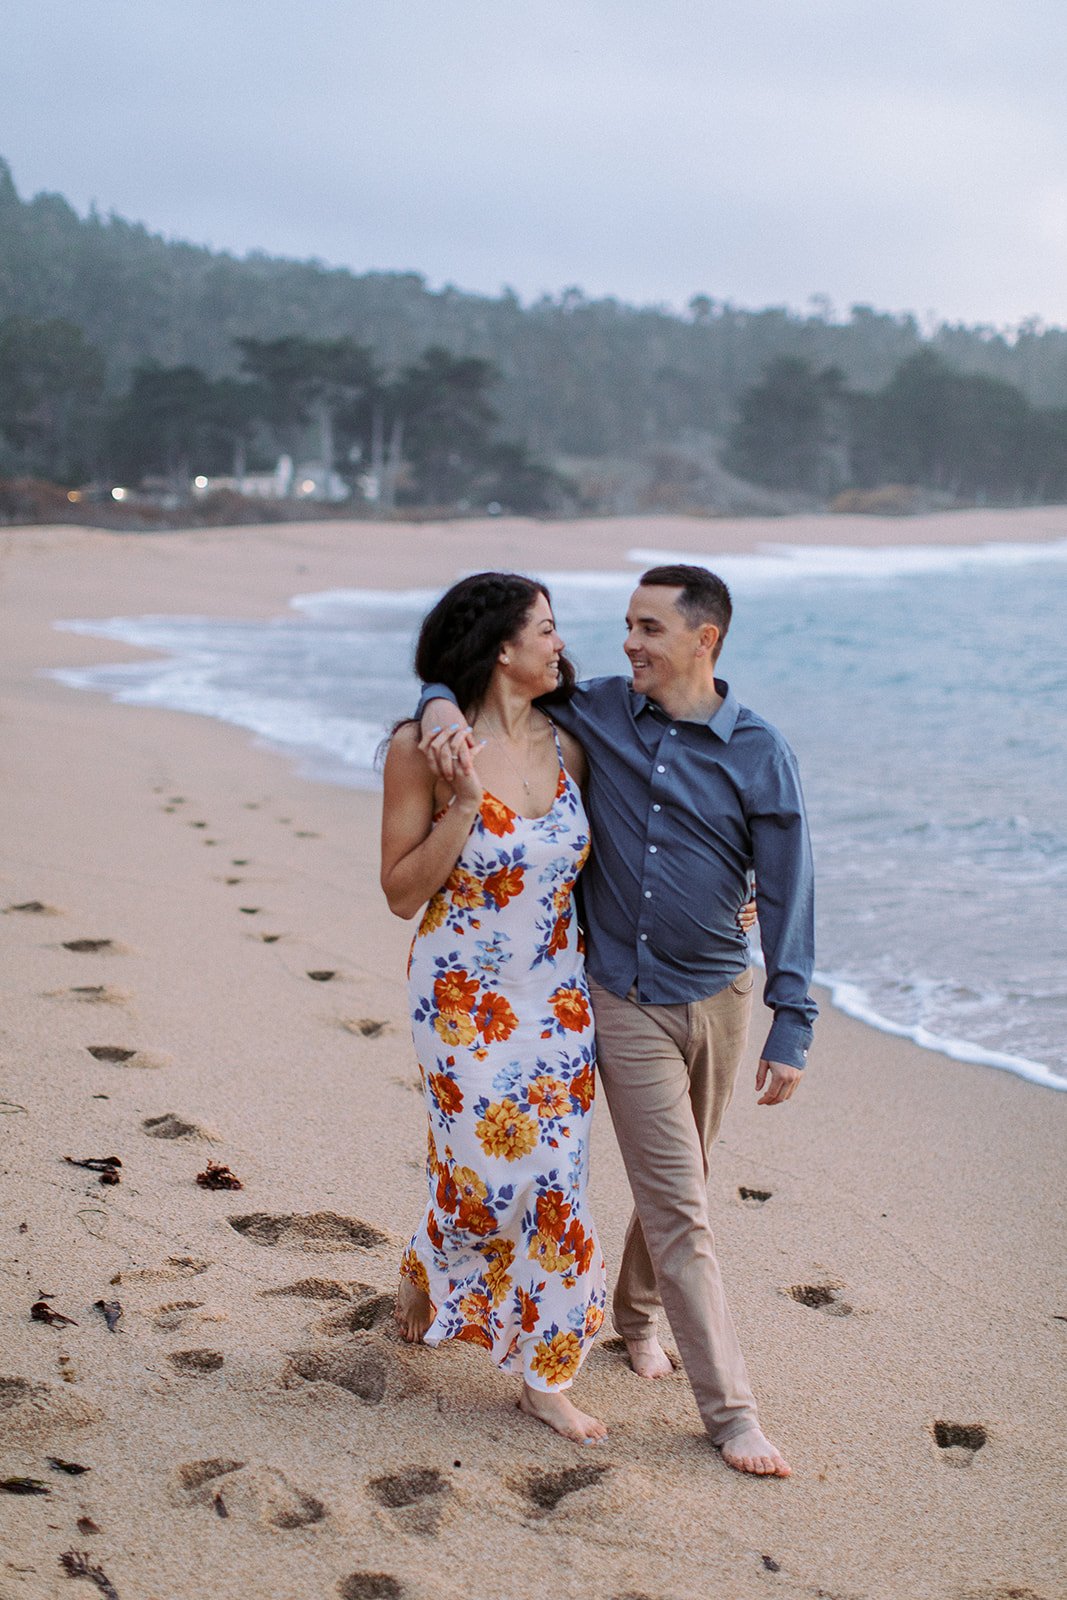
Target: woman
{"points": [[506, 1255]]}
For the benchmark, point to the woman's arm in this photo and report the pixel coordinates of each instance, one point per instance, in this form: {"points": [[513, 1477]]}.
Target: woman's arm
{"points": [[416, 856]]}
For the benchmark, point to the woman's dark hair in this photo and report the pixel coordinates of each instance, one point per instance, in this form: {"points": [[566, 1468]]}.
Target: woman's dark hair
{"points": [[461, 638]]}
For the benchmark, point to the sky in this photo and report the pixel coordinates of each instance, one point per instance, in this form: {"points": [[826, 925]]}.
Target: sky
{"points": [[905, 154]]}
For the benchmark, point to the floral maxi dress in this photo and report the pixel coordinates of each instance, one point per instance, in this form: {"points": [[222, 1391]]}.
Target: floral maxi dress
{"points": [[503, 1031]]}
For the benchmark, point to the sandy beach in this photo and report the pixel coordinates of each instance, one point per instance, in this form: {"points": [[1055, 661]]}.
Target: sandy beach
{"points": [[198, 966]]}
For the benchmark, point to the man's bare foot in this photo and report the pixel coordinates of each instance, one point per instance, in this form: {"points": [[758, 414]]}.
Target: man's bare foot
{"points": [[414, 1313], [648, 1358], [752, 1451], [558, 1412]]}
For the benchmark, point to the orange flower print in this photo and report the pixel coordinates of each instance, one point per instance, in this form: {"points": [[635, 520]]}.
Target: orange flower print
{"points": [[594, 1320], [465, 889], [583, 1088], [497, 817], [528, 1311], [571, 1008], [473, 1333], [412, 1269], [447, 1094], [457, 1029], [495, 1018], [454, 992], [435, 913], [557, 939], [475, 1308], [579, 1246], [549, 1097], [545, 1251], [468, 1183], [433, 1231], [557, 1359], [474, 1217], [506, 1131], [497, 1277], [504, 885], [561, 898], [552, 1213]]}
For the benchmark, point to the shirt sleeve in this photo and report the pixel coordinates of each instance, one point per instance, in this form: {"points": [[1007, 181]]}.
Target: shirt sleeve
{"points": [[433, 691], [785, 900], [565, 712]]}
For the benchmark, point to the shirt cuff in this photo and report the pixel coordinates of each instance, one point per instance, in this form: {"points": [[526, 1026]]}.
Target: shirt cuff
{"points": [[432, 691], [788, 1041]]}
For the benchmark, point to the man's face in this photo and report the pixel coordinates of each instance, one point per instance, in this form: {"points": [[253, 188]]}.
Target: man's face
{"points": [[663, 650]]}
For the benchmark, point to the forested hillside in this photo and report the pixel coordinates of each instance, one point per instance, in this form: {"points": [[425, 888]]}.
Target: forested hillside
{"points": [[577, 379]]}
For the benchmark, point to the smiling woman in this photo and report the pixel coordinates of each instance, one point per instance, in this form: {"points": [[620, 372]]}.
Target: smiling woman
{"points": [[505, 1255]]}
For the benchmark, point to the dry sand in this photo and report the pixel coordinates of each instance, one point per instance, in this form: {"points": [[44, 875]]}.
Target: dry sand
{"points": [[253, 1427]]}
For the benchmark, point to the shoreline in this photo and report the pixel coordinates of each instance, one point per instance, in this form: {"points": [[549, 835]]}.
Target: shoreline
{"points": [[922, 1204]]}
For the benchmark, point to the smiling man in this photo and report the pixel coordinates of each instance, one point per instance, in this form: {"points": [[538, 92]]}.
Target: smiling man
{"points": [[689, 793]]}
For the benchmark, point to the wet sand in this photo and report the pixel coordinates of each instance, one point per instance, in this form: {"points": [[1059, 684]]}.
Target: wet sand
{"points": [[253, 1427]]}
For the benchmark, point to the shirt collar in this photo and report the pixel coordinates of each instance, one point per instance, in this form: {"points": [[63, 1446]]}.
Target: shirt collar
{"points": [[722, 722]]}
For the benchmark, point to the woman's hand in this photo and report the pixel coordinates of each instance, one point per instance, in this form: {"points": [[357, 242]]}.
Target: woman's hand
{"points": [[465, 782], [746, 917]]}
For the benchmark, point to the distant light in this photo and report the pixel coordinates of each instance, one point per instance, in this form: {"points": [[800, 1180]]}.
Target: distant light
{"points": [[200, 482], [119, 494], [308, 486], [74, 494]]}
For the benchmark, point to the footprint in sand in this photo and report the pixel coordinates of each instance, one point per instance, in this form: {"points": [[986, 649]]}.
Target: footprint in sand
{"points": [[959, 1442], [820, 1297], [196, 1362], [93, 994], [124, 1056], [366, 1027], [30, 1410], [35, 908], [319, 1231], [172, 1270], [171, 1126], [370, 1311], [370, 1586], [321, 1289], [251, 1490], [177, 1313], [418, 1497], [94, 946], [271, 938], [362, 1370], [545, 1490]]}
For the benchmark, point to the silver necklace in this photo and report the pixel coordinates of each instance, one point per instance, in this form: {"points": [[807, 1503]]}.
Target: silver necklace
{"points": [[498, 740]]}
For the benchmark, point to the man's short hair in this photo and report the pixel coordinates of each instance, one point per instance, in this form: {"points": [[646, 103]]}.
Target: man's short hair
{"points": [[704, 597]]}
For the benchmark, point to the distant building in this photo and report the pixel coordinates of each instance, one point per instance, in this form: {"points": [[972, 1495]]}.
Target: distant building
{"points": [[311, 480]]}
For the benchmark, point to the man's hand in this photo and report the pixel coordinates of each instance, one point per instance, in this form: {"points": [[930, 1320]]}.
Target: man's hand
{"points": [[444, 734], [780, 1080]]}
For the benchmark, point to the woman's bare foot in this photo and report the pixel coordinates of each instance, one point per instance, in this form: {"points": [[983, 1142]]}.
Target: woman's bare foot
{"points": [[558, 1412], [752, 1451], [648, 1358], [414, 1313]]}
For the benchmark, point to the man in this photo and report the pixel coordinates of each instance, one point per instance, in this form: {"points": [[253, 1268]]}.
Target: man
{"points": [[689, 792]]}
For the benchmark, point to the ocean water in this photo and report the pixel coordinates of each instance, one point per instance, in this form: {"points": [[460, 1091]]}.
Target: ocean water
{"points": [[923, 689]]}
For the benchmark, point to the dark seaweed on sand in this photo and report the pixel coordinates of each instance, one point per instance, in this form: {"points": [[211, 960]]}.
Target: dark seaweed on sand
{"points": [[77, 1564], [110, 1310], [41, 1311], [217, 1176], [24, 1486]]}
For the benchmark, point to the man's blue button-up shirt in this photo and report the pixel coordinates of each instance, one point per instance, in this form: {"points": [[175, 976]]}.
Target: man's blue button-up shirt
{"points": [[681, 813]]}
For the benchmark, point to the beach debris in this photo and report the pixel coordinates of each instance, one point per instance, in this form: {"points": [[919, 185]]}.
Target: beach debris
{"points": [[217, 1176], [106, 1166], [88, 946], [111, 1311], [8, 1108], [304, 833], [820, 1297], [547, 1489], [34, 906], [759, 1195], [24, 1486], [270, 938], [198, 824], [110, 1052], [220, 1505], [74, 1468], [239, 861], [959, 1435], [771, 1564], [41, 1311], [229, 882], [94, 1221], [322, 975], [87, 1525], [78, 1564], [250, 911]]}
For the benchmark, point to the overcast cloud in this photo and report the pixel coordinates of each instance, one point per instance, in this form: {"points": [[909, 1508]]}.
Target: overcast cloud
{"points": [[909, 154]]}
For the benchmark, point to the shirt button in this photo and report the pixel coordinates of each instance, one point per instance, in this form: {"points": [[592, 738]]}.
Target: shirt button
{"points": [[648, 894], [644, 938], [661, 769], [657, 808], [673, 732], [652, 849]]}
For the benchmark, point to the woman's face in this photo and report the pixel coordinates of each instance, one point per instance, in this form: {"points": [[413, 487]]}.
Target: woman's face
{"points": [[531, 658]]}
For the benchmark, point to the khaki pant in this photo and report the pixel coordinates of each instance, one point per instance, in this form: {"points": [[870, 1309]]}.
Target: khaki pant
{"points": [[668, 1073]]}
